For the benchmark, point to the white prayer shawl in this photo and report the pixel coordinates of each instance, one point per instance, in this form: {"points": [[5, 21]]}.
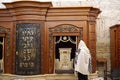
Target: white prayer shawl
{"points": [[83, 57]]}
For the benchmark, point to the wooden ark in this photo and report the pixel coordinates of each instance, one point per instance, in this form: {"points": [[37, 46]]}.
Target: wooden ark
{"points": [[115, 46], [33, 29]]}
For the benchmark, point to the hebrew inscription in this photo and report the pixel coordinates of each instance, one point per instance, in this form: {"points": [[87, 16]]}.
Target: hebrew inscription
{"points": [[28, 49]]}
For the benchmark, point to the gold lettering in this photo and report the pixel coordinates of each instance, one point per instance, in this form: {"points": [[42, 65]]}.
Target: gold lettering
{"points": [[20, 64], [32, 64], [26, 64]]}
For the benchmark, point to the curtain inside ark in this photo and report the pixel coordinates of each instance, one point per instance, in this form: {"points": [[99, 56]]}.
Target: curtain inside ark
{"points": [[65, 47]]}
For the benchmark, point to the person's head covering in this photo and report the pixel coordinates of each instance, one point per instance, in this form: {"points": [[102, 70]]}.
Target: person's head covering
{"points": [[82, 45]]}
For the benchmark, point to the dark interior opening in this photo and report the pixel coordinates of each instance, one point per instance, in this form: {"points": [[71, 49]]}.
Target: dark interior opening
{"points": [[1, 47], [66, 44]]}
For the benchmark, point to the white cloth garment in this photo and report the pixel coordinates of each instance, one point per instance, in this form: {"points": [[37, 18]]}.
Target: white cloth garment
{"points": [[82, 59]]}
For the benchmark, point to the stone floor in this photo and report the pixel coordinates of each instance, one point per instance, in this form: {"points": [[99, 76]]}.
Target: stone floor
{"points": [[45, 77]]}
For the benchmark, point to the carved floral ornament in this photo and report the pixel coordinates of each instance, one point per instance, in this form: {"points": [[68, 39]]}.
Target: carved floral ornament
{"points": [[65, 28]]}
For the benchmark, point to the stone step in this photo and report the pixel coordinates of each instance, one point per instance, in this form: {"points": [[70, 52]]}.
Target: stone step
{"points": [[61, 77], [39, 77], [44, 77]]}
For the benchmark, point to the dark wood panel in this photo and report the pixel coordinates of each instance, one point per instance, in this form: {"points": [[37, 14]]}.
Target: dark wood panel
{"points": [[115, 46], [28, 49]]}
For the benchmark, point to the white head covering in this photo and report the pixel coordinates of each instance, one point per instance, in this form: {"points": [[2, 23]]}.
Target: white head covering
{"points": [[84, 56], [83, 46]]}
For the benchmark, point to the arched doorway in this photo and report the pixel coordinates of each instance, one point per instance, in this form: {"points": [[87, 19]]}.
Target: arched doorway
{"points": [[4, 48], [63, 44]]}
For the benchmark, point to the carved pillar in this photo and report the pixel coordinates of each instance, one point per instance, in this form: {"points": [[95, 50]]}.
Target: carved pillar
{"points": [[92, 43]]}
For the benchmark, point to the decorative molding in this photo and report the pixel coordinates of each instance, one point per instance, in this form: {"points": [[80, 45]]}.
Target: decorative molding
{"points": [[64, 28]]}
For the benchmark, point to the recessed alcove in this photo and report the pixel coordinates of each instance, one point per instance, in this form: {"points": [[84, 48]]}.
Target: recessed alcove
{"points": [[65, 47], [1, 48]]}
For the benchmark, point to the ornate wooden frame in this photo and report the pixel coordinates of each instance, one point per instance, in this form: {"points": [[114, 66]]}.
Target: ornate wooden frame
{"points": [[5, 32], [61, 30]]}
